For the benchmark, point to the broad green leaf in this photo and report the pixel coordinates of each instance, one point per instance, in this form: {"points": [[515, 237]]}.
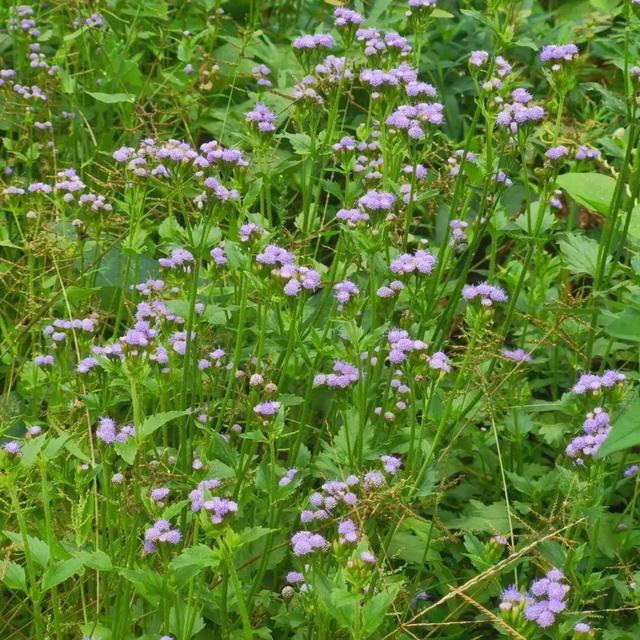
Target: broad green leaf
{"points": [[634, 224], [96, 560], [192, 561], [625, 326], [625, 431], [38, 549], [127, 450], [14, 577], [111, 98], [154, 422], [580, 254], [374, 611], [344, 604], [61, 571], [593, 190], [300, 142]]}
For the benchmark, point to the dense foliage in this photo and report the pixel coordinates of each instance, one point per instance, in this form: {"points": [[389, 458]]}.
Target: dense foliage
{"points": [[319, 321]]}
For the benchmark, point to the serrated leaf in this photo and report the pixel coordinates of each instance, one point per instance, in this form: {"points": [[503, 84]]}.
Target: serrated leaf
{"points": [[61, 571], [15, 578], [593, 190], [374, 611], [300, 142], [580, 254], [96, 560], [38, 549]]}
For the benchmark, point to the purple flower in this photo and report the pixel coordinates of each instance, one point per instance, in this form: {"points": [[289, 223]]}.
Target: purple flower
{"points": [[269, 408], [582, 627], [478, 58], [511, 597], [596, 428], [288, 477], [517, 355], [344, 375], [593, 382], [219, 256], [391, 464], [12, 448], [295, 577], [44, 361], [86, 364], [488, 294], [314, 41], [631, 471], [344, 291], [160, 533], [547, 599], [306, 542], [439, 361], [422, 261], [352, 216], [262, 117], [159, 494], [273, 255], [348, 531], [367, 557], [587, 153], [559, 53], [556, 153], [377, 201], [345, 17]]}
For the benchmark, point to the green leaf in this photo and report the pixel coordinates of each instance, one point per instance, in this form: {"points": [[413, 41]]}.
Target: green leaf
{"points": [[593, 190], [38, 549], [75, 450], [111, 98], [30, 451], [61, 571], [374, 611], [625, 326], [625, 432], [127, 450], [192, 561], [154, 422], [634, 224], [344, 604], [15, 578], [96, 560], [300, 142], [580, 254], [251, 534]]}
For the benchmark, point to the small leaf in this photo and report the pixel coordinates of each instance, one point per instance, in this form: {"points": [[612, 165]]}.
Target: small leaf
{"points": [[111, 98], [593, 190]]}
